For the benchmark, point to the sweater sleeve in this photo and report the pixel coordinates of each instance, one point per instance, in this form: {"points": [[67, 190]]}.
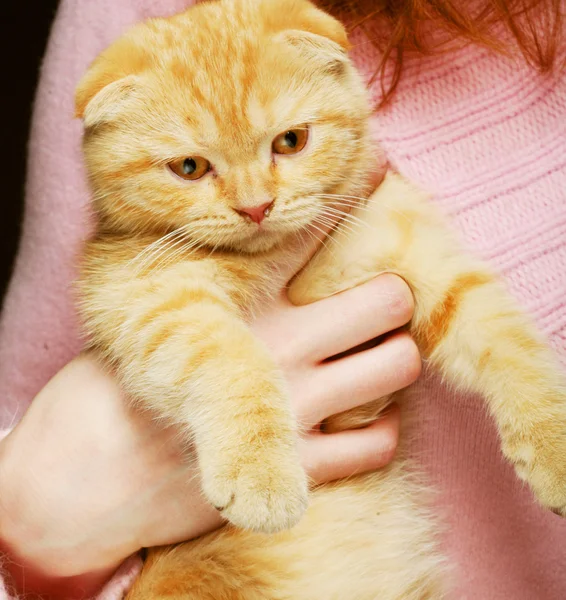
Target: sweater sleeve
{"points": [[115, 589], [119, 585]]}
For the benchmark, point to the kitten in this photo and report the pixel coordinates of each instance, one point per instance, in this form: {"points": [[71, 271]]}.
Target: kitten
{"points": [[212, 139]]}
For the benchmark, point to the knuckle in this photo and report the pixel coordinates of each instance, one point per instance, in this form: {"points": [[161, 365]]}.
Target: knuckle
{"points": [[400, 300], [288, 351], [386, 451], [409, 357]]}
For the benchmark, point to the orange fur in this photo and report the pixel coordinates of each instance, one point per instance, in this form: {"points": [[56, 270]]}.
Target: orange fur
{"points": [[175, 269], [447, 309]]}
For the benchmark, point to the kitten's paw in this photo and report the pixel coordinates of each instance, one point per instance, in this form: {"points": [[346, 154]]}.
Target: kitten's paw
{"points": [[258, 493], [539, 457]]}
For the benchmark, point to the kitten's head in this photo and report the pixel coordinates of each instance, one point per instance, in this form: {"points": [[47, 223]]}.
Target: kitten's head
{"points": [[233, 121]]}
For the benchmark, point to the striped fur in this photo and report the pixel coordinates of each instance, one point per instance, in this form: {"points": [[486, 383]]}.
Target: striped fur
{"points": [[174, 270]]}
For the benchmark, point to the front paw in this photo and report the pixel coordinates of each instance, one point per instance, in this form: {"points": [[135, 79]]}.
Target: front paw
{"points": [[261, 492], [539, 457]]}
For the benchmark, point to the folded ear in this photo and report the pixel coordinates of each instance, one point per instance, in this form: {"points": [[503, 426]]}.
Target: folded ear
{"points": [[329, 56], [316, 34], [110, 101], [110, 81], [302, 15]]}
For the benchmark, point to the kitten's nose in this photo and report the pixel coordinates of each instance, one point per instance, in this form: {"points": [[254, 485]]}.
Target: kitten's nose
{"points": [[256, 213]]}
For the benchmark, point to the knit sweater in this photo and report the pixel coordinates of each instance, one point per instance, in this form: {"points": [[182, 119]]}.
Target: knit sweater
{"points": [[485, 134]]}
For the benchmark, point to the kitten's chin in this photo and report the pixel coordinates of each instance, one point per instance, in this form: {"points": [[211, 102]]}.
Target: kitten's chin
{"points": [[259, 242]]}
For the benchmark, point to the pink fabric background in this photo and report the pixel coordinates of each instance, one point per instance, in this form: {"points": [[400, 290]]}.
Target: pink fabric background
{"points": [[485, 134]]}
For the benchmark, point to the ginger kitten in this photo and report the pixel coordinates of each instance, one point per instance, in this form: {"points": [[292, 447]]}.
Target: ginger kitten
{"points": [[212, 139]]}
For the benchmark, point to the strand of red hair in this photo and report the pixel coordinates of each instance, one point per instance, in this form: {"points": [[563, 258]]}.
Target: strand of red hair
{"points": [[536, 29]]}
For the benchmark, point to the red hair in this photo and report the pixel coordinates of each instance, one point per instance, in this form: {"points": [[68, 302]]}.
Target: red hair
{"points": [[536, 28]]}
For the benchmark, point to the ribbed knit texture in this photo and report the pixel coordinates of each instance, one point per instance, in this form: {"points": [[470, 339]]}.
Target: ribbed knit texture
{"points": [[486, 135]]}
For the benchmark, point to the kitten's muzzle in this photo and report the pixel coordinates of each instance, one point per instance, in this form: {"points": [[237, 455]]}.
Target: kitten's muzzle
{"points": [[256, 213]]}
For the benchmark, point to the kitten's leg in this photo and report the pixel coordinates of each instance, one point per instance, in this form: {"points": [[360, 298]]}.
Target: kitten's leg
{"points": [[366, 538], [465, 323], [182, 350], [480, 339]]}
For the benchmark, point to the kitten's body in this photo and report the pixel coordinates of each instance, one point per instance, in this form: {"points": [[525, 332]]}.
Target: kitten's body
{"points": [[171, 318]]}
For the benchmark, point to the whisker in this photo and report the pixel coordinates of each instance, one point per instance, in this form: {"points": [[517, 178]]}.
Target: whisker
{"points": [[342, 225], [154, 260], [165, 261], [341, 213], [313, 237], [359, 207], [323, 241], [152, 246], [345, 196], [340, 220], [348, 203], [336, 218]]}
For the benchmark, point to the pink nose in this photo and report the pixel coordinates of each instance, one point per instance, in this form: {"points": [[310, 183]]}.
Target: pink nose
{"points": [[256, 213]]}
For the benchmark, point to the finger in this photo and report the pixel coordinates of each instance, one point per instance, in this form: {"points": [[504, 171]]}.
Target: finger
{"points": [[327, 457], [346, 320], [344, 384], [306, 243]]}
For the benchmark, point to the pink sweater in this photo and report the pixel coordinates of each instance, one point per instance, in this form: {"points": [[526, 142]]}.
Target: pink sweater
{"points": [[485, 134]]}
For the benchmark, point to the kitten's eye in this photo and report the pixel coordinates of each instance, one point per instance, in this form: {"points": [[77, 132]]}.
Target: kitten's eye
{"points": [[290, 142], [191, 168]]}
